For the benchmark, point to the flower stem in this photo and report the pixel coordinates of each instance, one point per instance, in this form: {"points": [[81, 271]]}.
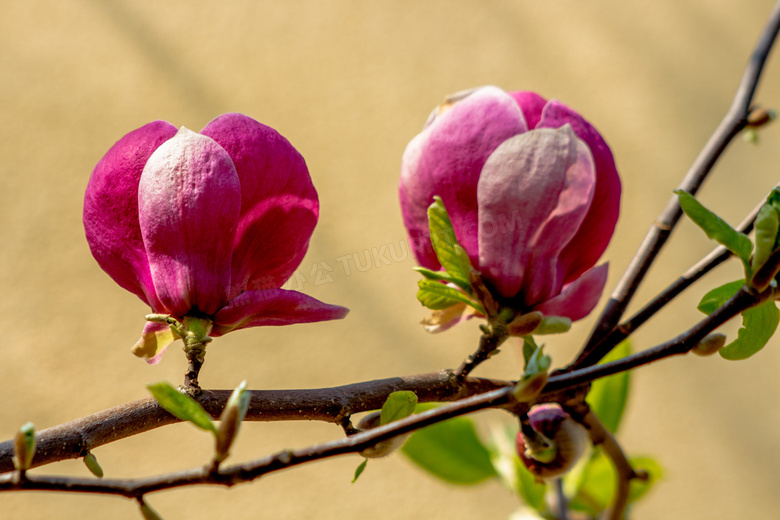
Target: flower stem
{"points": [[195, 340], [489, 342]]}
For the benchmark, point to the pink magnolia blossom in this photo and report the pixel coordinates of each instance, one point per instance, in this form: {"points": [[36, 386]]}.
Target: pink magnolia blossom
{"points": [[206, 225], [532, 192]]}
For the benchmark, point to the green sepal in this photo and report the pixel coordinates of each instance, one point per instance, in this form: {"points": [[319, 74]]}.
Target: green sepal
{"points": [[715, 298], [182, 406], [398, 405], [717, 229], [758, 325], [608, 395], [92, 465], [437, 296], [359, 470], [452, 257], [451, 451]]}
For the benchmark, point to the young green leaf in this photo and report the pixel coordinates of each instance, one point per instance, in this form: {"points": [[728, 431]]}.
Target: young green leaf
{"points": [[715, 298], [397, 406], [359, 470], [182, 406], [766, 227], [607, 397], [437, 296], [716, 228], [437, 276], [92, 465], [758, 325], [451, 451], [451, 255]]}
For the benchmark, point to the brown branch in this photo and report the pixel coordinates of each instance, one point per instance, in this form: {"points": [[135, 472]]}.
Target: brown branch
{"points": [[733, 123], [75, 438]]}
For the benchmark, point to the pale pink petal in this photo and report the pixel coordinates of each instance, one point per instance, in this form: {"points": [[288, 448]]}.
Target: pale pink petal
{"points": [[544, 277], [532, 105], [273, 307], [189, 200], [279, 206], [584, 250], [155, 338], [578, 298], [111, 210], [446, 158], [518, 190]]}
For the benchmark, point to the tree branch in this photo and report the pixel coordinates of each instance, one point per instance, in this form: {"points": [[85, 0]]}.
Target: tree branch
{"points": [[733, 122]]}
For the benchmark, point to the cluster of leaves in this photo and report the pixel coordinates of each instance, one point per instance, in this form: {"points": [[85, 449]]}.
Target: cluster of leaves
{"points": [[453, 451], [760, 263]]}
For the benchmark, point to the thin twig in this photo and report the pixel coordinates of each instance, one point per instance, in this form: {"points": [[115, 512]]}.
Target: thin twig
{"points": [[733, 123]]}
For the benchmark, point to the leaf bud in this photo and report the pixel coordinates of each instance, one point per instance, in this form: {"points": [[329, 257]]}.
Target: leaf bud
{"points": [[24, 447], [382, 448], [524, 324], [230, 421], [711, 344]]}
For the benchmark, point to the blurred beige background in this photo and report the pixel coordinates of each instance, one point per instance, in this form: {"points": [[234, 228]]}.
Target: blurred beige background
{"points": [[349, 83]]}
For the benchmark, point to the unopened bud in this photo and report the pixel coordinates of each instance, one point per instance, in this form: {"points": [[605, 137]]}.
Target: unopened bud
{"points": [[149, 513], [553, 325], [92, 465], [552, 442], [382, 448], [24, 447], [524, 324], [711, 344], [230, 421], [760, 116]]}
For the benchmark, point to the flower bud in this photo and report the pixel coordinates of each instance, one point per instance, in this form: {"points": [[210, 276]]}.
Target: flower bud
{"points": [[711, 344], [24, 447], [552, 442], [382, 448]]}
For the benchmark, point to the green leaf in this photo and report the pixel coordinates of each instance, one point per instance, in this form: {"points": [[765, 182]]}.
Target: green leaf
{"points": [[766, 227], [437, 296], [529, 347], [758, 325], [359, 470], [715, 298], [716, 228], [397, 406], [182, 406], [511, 471], [451, 451], [92, 465], [452, 257], [598, 483], [438, 276], [608, 395]]}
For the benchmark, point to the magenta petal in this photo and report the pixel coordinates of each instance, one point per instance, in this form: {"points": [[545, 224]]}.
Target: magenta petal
{"points": [[545, 277], [532, 105], [189, 201], [279, 206], [578, 298], [273, 307], [446, 158], [111, 210], [518, 190], [586, 248]]}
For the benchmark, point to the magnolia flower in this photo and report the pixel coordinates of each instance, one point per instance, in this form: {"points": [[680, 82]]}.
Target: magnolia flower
{"points": [[531, 189], [206, 225]]}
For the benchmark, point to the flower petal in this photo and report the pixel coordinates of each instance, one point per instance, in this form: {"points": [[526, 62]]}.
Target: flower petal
{"points": [[594, 235], [273, 307], [578, 298], [532, 105], [189, 200], [111, 210], [446, 158], [279, 206], [518, 191], [155, 338]]}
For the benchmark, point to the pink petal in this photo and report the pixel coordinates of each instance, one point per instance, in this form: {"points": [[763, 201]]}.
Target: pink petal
{"points": [[155, 338], [544, 277], [584, 250], [532, 105], [279, 206], [578, 298], [446, 158], [273, 307], [189, 201], [111, 210], [518, 191]]}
